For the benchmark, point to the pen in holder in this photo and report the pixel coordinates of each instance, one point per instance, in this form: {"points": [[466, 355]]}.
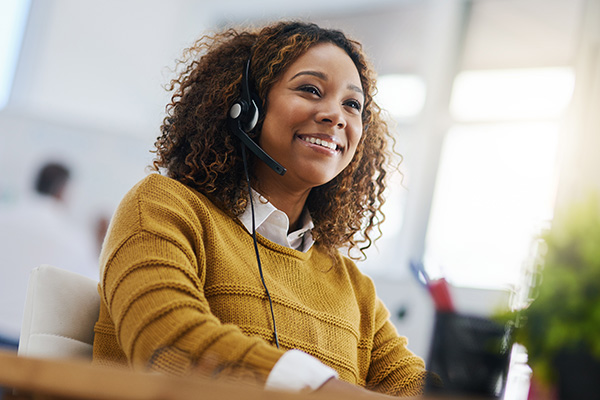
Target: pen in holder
{"points": [[437, 288], [469, 355]]}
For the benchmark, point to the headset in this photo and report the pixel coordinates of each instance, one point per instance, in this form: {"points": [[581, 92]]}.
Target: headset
{"points": [[242, 118]]}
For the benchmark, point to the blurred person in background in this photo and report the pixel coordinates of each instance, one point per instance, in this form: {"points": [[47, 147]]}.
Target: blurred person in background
{"points": [[35, 231]]}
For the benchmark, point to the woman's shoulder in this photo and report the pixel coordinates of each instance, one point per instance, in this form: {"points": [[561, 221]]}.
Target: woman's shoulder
{"points": [[156, 181], [156, 191], [158, 203], [156, 187]]}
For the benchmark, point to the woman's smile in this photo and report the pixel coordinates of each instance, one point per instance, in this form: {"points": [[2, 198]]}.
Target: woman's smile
{"points": [[320, 142]]}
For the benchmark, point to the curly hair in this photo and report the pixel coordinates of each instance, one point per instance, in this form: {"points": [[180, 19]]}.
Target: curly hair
{"points": [[197, 149]]}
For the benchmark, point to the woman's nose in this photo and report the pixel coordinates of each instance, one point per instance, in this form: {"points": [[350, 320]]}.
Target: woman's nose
{"points": [[331, 114]]}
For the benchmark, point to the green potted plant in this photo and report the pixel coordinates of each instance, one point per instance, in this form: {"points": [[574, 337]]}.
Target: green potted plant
{"points": [[561, 327]]}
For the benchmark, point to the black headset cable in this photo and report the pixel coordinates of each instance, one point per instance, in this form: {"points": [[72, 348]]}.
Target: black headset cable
{"points": [[262, 278]]}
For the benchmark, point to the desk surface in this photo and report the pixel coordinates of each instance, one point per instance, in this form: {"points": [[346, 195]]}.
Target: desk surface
{"points": [[52, 379]]}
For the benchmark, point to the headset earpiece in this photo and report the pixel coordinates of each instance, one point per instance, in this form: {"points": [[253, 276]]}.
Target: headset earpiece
{"points": [[247, 114]]}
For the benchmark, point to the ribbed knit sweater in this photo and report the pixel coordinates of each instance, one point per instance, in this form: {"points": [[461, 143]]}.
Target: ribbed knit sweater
{"points": [[181, 292]]}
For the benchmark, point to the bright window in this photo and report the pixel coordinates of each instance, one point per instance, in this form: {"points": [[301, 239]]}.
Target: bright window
{"points": [[403, 96], [13, 17], [523, 94], [497, 172]]}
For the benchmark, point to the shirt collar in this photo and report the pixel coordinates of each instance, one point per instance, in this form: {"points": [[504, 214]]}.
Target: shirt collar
{"points": [[273, 224]]}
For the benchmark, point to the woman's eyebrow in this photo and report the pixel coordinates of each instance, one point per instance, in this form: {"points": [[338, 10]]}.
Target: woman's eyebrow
{"points": [[324, 77], [318, 74], [355, 88]]}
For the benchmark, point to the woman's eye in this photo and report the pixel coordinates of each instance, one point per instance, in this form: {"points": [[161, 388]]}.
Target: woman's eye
{"points": [[310, 89], [354, 104]]}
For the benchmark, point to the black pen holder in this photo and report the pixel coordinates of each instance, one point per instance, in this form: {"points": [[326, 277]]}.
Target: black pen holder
{"points": [[469, 355]]}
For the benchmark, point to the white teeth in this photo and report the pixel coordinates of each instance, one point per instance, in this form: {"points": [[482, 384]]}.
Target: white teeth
{"points": [[320, 142]]}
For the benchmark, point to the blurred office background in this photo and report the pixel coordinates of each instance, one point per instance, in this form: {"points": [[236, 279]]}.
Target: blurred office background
{"points": [[495, 104]]}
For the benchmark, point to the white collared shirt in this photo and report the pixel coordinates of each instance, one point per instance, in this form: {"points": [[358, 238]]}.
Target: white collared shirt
{"points": [[274, 224], [295, 370]]}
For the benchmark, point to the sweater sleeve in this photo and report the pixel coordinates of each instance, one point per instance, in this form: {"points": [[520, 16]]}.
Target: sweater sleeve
{"points": [[394, 369], [152, 285]]}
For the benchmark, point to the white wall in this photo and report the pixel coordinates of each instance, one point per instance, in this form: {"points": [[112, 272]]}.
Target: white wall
{"points": [[100, 64], [580, 139]]}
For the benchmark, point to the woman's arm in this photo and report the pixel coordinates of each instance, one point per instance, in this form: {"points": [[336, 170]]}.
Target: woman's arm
{"points": [[394, 369]]}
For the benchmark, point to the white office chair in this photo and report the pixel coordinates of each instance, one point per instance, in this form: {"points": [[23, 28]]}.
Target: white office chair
{"points": [[61, 309]]}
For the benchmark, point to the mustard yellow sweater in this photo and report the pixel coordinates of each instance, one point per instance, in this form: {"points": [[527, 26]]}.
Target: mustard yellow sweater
{"points": [[181, 292]]}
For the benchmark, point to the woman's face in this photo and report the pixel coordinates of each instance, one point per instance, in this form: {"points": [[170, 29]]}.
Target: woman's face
{"points": [[314, 119]]}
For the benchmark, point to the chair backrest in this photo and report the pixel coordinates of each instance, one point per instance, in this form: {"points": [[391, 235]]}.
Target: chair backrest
{"points": [[61, 309]]}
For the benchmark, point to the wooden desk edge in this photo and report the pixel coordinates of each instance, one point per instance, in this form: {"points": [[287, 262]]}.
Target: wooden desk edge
{"points": [[54, 379]]}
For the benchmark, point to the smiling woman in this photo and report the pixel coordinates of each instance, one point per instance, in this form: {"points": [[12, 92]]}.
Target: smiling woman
{"points": [[180, 287]]}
